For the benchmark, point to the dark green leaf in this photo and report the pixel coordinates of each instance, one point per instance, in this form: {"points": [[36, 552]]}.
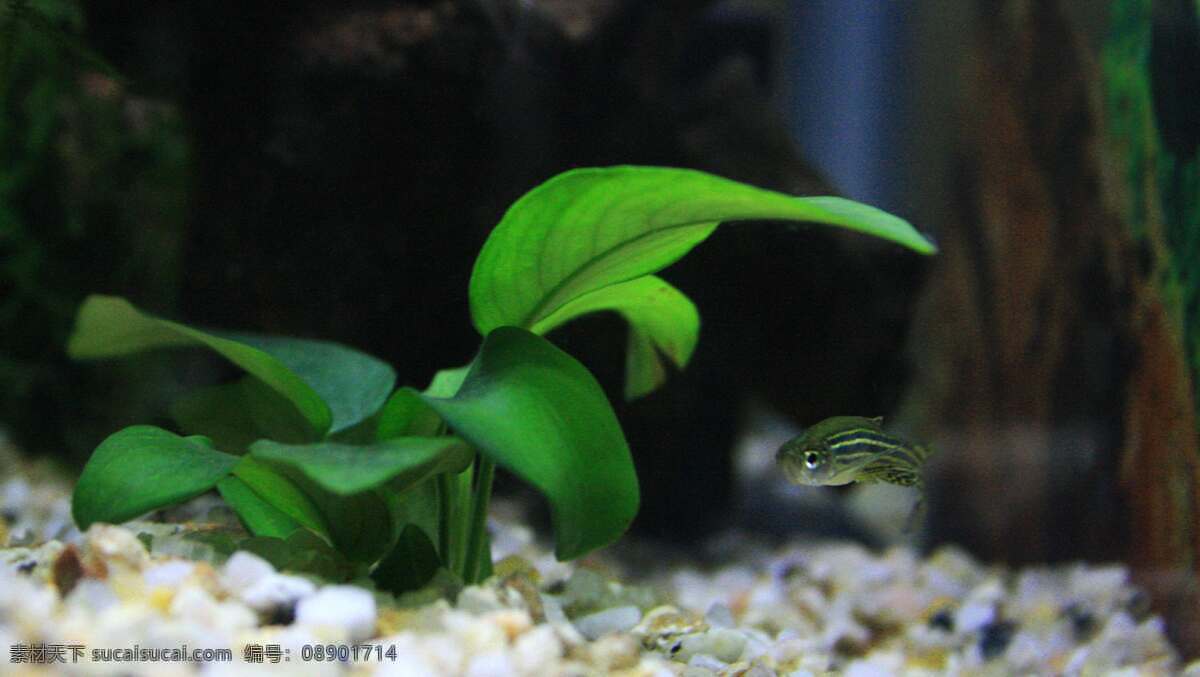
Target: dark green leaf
{"points": [[143, 468], [410, 565], [588, 228], [350, 469], [354, 384], [661, 319], [108, 326], [260, 517], [236, 414], [404, 414], [361, 525], [445, 584], [536, 411], [302, 552], [333, 387], [281, 492]]}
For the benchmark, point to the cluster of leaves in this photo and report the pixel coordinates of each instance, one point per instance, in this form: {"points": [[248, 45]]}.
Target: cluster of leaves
{"points": [[313, 445]]}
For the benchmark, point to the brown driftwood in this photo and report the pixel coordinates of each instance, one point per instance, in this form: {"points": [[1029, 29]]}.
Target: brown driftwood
{"points": [[1043, 339]]}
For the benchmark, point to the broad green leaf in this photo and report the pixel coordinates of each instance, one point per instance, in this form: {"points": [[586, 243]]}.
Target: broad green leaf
{"points": [[143, 468], [281, 492], [108, 326], [260, 517], [331, 385], [405, 414], [661, 320], [353, 384], [218, 412], [236, 414], [446, 382], [588, 228], [536, 411], [410, 565], [418, 506], [349, 469], [361, 525]]}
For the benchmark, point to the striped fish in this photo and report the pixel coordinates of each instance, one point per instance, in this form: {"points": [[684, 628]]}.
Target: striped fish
{"points": [[846, 449]]}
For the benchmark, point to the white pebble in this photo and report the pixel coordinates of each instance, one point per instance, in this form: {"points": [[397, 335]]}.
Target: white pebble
{"points": [[244, 570], [277, 591], [92, 595], [721, 643], [168, 574], [617, 619], [719, 616], [194, 604], [491, 664], [706, 662], [340, 606], [478, 600], [536, 650]]}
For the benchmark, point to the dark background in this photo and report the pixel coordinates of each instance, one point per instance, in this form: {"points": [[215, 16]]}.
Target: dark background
{"points": [[330, 170]]}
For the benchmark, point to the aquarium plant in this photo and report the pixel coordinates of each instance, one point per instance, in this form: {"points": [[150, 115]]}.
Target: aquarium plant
{"points": [[319, 454]]}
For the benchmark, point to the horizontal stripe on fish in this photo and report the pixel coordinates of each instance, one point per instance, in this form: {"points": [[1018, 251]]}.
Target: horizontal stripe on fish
{"points": [[865, 448]]}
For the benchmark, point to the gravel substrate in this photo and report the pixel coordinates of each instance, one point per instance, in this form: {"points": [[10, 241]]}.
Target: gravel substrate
{"points": [[806, 609]]}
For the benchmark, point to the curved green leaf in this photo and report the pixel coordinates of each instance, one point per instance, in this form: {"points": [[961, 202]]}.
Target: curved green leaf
{"points": [[353, 384], [406, 415], [143, 468], [108, 326], [661, 319], [236, 414], [281, 492], [361, 525], [260, 517], [331, 385], [410, 565], [588, 228], [536, 411], [348, 469]]}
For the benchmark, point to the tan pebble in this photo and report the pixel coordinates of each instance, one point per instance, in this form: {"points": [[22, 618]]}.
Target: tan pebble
{"points": [[512, 621], [160, 599], [392, 621], [614, 652], [116, 545], [662, 626], [934, 659], [1043, 614], [526, 587]]}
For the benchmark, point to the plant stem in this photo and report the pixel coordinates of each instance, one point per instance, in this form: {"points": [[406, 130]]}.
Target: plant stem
{"points": [[443, 545], [476, 541]]}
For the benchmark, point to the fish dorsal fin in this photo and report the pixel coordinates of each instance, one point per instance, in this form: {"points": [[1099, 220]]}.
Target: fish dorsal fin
{"points": [[877, 420]]}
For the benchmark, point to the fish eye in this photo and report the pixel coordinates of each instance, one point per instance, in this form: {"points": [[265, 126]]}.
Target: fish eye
{"points": [[811, 459]]}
